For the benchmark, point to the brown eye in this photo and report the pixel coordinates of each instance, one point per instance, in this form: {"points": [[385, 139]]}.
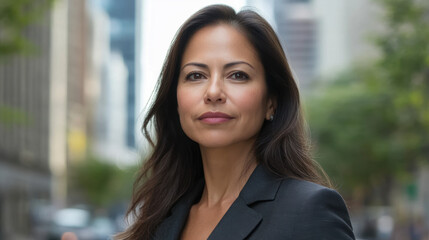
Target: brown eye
{"points": [[193, 76], [239, 76]]}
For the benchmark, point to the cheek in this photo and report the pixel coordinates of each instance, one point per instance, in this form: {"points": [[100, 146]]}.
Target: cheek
{"points": [[185, 101], [252, 101]]}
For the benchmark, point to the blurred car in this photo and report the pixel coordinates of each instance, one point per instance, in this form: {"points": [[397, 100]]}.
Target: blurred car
{"points": [[80, 223], [103, 228], [373, 223]]}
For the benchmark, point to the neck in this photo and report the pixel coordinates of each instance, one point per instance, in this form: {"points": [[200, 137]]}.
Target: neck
{"points": [[226, 171]]}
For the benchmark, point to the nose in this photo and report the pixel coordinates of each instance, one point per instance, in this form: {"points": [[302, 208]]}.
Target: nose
{"points": [[215, 91]]}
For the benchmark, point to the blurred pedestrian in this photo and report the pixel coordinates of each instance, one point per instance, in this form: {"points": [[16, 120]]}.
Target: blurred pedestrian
{"points": [[417, 229], [231, 157], [69, 236]]}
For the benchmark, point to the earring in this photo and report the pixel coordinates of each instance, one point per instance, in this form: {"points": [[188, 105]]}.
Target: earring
{"points": [[271, 118]]}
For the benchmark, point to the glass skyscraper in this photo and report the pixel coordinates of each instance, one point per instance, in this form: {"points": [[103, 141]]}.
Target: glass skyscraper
{"points": [[122, 16]]}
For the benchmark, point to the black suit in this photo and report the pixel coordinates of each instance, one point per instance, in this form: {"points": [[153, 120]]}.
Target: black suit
{"points": [[270, 208]]}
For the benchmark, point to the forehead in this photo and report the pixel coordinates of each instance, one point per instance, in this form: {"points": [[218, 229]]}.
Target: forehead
{"points": [[219, 42]]}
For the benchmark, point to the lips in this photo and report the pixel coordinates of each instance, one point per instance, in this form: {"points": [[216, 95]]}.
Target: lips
{"points": [[214, 117]]}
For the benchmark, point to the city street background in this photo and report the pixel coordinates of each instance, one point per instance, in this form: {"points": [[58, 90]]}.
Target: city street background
{"points": [[76, 77]]}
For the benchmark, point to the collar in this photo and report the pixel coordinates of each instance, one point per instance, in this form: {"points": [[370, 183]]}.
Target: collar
{"points": [[238, 221]]}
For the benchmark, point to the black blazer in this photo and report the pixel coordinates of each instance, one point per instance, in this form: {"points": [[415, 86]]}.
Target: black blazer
{"points": [[270, 208]]}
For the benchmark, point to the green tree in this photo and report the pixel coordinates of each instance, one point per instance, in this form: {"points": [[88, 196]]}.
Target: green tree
{"points": [[353, 131], [101, 183], [405, 64], [11, 116], [15, 17], [371, 124]]}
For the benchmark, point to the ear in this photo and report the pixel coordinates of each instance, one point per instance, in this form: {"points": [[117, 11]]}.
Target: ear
{"points": [[271, 107]]}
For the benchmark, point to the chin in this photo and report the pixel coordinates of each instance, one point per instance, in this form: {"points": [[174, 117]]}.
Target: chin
{"points": [[223, 140], [213, 144], [225, 143]]}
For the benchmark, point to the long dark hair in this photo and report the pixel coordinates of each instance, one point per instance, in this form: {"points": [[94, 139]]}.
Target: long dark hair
{"points": [[175, 164]]}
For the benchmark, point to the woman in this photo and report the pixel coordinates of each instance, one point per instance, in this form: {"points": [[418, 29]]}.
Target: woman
{"points": [[230, 158]]}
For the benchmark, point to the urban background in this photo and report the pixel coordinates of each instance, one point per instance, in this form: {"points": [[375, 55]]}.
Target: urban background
{"points": [[76, 75]]}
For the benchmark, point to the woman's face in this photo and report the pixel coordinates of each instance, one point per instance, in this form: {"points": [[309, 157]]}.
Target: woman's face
{"points": [[221, 93]]}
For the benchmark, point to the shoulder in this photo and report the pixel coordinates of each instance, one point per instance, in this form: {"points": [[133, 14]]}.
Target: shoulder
{"points": [[304, 191], [320, 212]]}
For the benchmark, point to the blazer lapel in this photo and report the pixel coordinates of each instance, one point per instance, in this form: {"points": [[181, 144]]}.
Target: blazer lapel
{"points": [[237, 222], [240, 219], [171, 227]]}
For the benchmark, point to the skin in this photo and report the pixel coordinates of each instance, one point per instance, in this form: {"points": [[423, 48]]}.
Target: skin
{"points": [[69, 236], [221, 72]]}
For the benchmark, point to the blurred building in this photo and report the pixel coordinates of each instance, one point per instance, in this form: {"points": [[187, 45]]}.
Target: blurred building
{"points": [[25, 132], [115, 121], [345, 29], [322, 37], [123, 41], [297, 29], [80, 92], [43, 123]]}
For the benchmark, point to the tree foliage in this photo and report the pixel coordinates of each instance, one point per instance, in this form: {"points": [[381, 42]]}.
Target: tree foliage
{"points": [[11, 116], [372, 123], [100, 182], [15, 17]]}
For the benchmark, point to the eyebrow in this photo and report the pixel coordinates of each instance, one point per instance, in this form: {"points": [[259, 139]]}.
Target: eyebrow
{"points": [[228, 65]]}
